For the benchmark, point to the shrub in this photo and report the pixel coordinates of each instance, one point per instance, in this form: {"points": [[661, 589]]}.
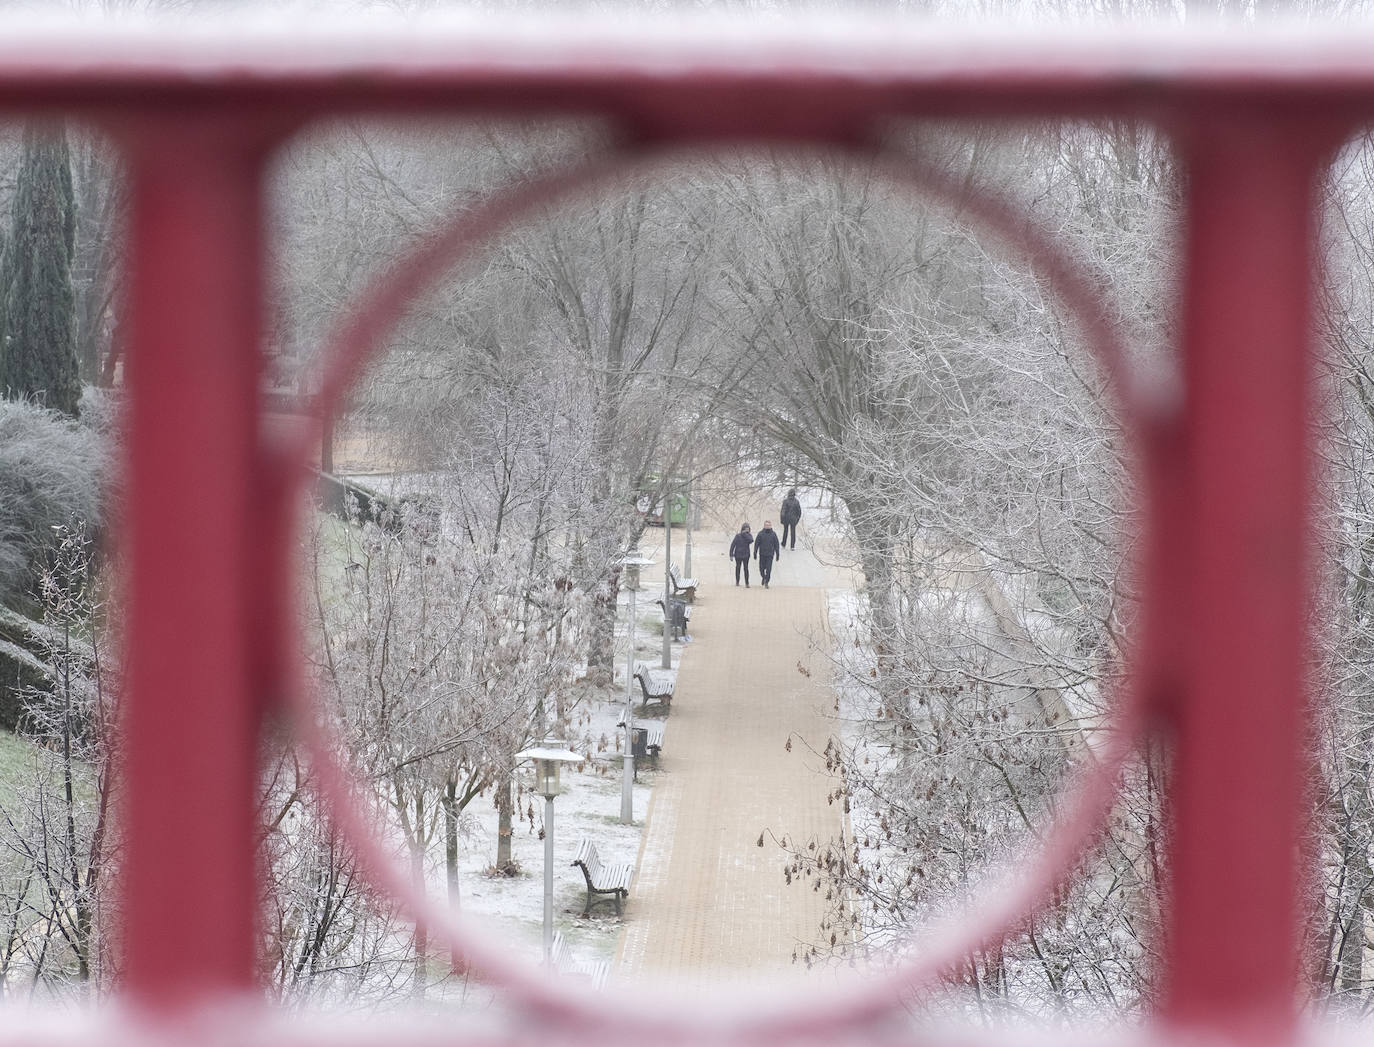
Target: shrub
{"points": [[52, 470]]}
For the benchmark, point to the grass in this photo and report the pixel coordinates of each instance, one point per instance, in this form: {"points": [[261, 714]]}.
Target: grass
{"points": [[337, 541], [16, 766], [605, 819], [17, 772]]}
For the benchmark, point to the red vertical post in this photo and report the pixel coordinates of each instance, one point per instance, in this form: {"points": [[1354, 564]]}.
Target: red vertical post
{"points": [[1233, 943], [190, 727]]}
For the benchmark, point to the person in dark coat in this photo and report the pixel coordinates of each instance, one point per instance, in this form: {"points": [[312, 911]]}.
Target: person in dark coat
{"points": [[790, 517], [739, 552], [765, 548]]}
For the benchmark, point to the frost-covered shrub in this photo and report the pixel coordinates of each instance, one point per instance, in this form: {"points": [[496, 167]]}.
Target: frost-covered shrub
{"points": [[102, 411], [52, 469]]}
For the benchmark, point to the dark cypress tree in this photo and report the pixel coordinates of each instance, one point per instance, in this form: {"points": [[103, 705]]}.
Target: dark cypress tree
{"points": [[37, 343]]}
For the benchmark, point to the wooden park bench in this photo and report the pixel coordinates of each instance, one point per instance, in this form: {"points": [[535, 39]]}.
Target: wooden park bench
{"points": [[654, 743], [564, 962], [684, 587], [602, 878], [679, 618], [657, 688]]}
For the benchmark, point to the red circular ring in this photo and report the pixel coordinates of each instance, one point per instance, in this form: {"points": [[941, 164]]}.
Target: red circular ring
{"points": [[821, 1012]]}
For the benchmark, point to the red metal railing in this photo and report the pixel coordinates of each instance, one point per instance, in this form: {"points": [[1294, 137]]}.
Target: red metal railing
{"points": [[1226, 465]]}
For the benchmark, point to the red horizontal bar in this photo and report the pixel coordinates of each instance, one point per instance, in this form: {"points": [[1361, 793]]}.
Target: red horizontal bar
{"points": [[664, 68]]}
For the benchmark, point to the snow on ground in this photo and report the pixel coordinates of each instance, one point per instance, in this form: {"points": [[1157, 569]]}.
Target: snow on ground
{"points": [[513, 906]]}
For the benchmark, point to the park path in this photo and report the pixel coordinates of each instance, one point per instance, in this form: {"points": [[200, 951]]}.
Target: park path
{"points": [[708, 902]]}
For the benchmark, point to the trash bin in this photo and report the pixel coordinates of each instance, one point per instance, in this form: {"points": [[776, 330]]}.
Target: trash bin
{"points": [[639, 742]]}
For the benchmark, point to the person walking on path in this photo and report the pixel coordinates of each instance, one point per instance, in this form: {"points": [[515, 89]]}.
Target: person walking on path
{"points": [[739, 552], [790, 517], [765, 548]]}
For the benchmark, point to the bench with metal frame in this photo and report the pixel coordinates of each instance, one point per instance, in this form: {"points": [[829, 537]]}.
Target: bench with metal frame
{"points": [[686, 588], [657, 687], [609, 879]]}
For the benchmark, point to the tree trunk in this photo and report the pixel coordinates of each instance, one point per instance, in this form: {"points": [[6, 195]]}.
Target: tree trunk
{"points": [[601, 634], [450, 804], [93, 278], [81, 944], [877, 546], [417, 871], [505, 806]]}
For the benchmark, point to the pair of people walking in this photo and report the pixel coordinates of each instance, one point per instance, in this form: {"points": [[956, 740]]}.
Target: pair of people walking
{"points": [[766, 548]]}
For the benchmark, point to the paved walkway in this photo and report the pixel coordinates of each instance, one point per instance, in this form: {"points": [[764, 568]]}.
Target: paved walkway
{"points": [[709, 902]]}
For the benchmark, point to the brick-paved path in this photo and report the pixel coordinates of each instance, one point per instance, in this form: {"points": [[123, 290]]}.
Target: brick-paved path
{"points": [[708, 902]]}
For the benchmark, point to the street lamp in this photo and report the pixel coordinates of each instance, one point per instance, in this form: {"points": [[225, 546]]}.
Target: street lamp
{"points": [[687, 503], [667, 572], [629, 578], [547, 757]]}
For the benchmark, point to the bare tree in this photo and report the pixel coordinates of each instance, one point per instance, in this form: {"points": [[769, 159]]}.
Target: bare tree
{"points": [[60, 826]]}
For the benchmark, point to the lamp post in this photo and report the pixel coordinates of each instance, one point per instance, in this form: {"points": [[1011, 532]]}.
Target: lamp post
{"points": [[547, 756], [632, 562], [667, 569], [687, 524]]}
